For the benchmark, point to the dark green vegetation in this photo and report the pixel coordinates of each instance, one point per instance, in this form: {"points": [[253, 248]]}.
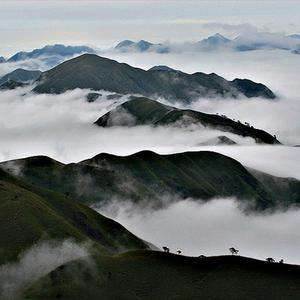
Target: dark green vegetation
{"points": [[29, 214], [147, 177], [20, 75], [150, 112], [98, 73], [157, 275]]}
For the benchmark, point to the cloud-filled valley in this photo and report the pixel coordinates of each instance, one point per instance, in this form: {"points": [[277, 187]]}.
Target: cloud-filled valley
{"points": [[61, 127], [212, 228]]}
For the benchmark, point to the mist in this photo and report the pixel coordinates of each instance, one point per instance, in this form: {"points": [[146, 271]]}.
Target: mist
{"points": [[36, 262], [211, 228]]}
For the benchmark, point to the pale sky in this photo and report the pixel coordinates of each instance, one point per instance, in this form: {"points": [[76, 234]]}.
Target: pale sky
{"points": [[29, 24]]}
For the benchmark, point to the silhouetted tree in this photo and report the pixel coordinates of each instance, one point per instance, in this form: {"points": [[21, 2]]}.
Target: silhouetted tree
{"points": [[270, 260], [166, 249], [281, 261], [179, 251], [233, 251]]}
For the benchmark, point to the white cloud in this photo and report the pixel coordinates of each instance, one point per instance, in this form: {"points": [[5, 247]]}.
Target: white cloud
{"points": [[212, 228]]}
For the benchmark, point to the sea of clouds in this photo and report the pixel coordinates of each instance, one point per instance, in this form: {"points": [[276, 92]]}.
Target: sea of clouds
{"points": [[61, 126]]}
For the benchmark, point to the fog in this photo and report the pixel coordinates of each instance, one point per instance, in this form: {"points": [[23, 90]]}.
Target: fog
{"points": [[212, 228], [36, 262]]}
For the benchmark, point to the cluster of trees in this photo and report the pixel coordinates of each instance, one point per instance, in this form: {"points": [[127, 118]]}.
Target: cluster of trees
{"points": [[232, 250]]}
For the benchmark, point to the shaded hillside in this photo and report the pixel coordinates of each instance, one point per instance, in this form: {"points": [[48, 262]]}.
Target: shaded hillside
{"points": [[99, 73], [157, 275], [147, 176], [145, 111], [29, 214], [20, 75]]}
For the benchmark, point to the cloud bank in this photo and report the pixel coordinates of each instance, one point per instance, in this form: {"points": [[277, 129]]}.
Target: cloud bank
{"points": [[212, 228]]}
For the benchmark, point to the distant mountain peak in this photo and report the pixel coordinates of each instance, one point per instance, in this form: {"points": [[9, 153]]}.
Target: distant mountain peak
{"points": [[162, 68], [51, 50], [125, 43]]}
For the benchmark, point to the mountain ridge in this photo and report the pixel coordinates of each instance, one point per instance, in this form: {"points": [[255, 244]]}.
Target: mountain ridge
{"points": [[147, 175], [99, 73], [145, 111]]}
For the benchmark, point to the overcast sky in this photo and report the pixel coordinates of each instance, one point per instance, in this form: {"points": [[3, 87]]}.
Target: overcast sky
{"points": [[29, 24]]}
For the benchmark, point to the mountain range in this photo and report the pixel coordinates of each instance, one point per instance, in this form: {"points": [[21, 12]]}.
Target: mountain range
{"points": [[144, 111], [245, 42], [32, 210], [147, 177], [90, 71], [51, 50]]}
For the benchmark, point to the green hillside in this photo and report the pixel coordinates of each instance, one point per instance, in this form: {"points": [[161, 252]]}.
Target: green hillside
{"points": [[147, 176], [149, 112], [157, 275], [29, 214]]}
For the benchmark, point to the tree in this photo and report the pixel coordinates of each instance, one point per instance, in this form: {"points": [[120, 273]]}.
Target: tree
{"points": [[166, 249], [233, 251]]}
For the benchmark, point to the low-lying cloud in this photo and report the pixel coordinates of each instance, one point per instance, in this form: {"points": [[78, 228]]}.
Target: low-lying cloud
{"points": [[36, 262], [211, 228]]}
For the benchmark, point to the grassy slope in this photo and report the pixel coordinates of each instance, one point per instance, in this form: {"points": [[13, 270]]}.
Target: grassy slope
{"points": [[156, 275], [150, 112], [29, 214]]}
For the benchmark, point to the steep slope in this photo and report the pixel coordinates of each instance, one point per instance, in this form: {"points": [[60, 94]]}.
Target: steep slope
{"points": [[20, 75], [156, 275], [29, 214], [149, 177], [144, 111], [94, 72]]}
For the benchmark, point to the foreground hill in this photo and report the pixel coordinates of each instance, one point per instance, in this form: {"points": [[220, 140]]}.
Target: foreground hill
{"points": [[147, 176], [99, 73], [144, 111], [157, 275], [29, 214]]}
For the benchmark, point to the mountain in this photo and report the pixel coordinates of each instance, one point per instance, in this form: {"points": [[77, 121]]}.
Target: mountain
{"points": [[147, 177], [99, 73], [294, 36], [2, 59], [140, 46], [51, 50], [21, 75], [11, 85], [213, 42], [157, 275], [29, 214], [144, 111]]}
